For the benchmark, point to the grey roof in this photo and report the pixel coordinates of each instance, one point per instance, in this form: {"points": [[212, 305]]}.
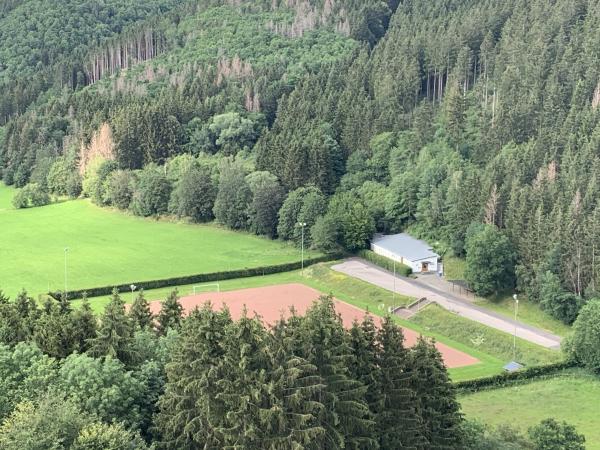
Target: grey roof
{"points": [[513, 366], [405, 245]]}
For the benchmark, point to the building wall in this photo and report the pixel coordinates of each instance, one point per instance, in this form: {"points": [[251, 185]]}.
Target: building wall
{"points": [[417, 266], [414, 265]]}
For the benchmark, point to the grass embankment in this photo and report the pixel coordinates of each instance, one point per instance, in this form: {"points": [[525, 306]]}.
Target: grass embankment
{"points": [[109, 247], [529, 312], [572, 396], [350, 290], [488, 340]]}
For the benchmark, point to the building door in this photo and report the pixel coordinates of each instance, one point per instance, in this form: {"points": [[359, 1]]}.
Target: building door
{"points": [[425, 267]]}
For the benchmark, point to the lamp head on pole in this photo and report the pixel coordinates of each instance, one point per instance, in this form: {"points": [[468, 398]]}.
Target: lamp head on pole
{"points": [[133, 287]]}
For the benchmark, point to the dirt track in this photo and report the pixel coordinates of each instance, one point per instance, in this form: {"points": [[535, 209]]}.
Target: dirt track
{"points": [[273, 302]]}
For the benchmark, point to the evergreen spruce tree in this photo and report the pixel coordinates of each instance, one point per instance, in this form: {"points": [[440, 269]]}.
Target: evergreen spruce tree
{"points": [[435, 397], [345, 416], [253, 413], [85, 324], [140, 313], [171, 313], [299, 387], [65, 305], [55, 333], [114, 337], [364, 365], [398, 425], [190, 411]]}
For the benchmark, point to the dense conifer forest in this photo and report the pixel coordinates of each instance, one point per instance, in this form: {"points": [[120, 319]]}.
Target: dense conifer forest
{"points": [[473, 124]]}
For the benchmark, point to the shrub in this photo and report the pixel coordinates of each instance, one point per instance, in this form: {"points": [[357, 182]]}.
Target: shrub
{"points": [[152, 193], [198, 278], [557, 301], [194, 195], [553, 435], [386, 263], [94, 184], [30, 196], [584, 344], [506, 378], [118, 189]]}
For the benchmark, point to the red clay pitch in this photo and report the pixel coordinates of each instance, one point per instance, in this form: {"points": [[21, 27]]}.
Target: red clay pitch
{"points": [[273, 302]]}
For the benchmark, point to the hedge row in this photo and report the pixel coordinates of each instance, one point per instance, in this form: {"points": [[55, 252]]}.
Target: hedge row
{"points": [[199, 278], [508, 378], [386, 263]]}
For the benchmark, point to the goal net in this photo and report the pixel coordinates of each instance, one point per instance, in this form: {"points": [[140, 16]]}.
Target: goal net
{"points": [[211, 287]]}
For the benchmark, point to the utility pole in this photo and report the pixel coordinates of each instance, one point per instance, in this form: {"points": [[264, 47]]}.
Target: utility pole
{"points": [[66, 252], [515, 334], [302, 225], [394, 289]]}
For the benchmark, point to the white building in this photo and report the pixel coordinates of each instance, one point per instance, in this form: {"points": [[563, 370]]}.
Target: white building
{"points": [[407, 250]]}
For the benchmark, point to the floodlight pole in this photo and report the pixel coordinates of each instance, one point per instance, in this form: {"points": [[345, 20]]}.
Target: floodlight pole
{"points": [[515, 334], [66, 252], [394, 290], [302, 225]]}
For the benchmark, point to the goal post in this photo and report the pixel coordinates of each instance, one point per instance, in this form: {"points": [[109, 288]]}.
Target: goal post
{"points": [[206, 288]]}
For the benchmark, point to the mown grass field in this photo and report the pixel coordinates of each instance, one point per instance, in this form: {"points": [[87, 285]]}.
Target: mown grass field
{"points": [[572, 396], [350, 290], [109, 247], [485, 339], [529, 312]]}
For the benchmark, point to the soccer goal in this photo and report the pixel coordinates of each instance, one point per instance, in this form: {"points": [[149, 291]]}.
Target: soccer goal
{"points": [[211, 287]]}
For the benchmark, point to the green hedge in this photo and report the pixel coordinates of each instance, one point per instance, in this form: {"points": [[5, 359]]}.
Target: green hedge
{"points": [[199, 278], [386, 263], [508, 378]]}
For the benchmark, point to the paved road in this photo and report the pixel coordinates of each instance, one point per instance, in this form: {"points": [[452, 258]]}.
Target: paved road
{"points": [[370, 273]]}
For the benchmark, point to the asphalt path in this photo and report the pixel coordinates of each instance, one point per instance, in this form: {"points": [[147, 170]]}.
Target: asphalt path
{"points": [[363, 270]]}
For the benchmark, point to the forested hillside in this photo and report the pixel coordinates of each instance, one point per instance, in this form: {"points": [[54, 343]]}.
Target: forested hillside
{"points": [[474, 124]]}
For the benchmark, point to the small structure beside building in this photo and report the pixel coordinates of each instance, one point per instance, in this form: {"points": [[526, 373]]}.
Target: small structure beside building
{"points": [[513, 366], [405, 249]]}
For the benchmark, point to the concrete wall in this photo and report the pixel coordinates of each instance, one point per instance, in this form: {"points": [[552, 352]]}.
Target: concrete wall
{"points": [[414, 265]]}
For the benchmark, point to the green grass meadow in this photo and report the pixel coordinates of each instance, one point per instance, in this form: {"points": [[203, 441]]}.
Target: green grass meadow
{"points": [[529, 312], [486, 339], [572, 396], [109, 247]]}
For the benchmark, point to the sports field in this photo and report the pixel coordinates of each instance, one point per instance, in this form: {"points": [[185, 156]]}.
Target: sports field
{"points": [[572, 396], [464, 335], [273, 302], [109, 247]]}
